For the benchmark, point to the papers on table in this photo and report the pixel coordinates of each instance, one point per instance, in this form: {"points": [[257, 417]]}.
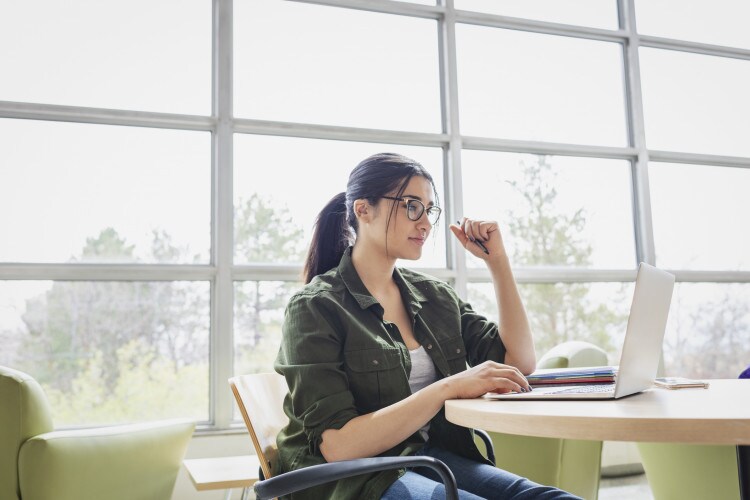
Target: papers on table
{"points": [[589, 375]]}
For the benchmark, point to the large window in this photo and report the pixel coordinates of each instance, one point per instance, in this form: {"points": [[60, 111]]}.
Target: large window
{"points": [[110, 351], [159, 186], [519, 85], [65, 185], [137, 55], [315, 64], [696, 103], [555, 210]]}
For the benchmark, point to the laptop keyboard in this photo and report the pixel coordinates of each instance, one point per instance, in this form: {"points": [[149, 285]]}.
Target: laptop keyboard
{"points": [[586, 389]]}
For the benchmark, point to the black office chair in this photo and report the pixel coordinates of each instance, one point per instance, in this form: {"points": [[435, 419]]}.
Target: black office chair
{"points": [[260, 398]]}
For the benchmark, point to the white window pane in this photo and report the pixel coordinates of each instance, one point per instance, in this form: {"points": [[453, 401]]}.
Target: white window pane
{"points": [[701, 216], [110, 352], [315, 64], [594, 13], [258, 316], [559, 312], [553, 210], [143, 55], [695, 103], [708, 331], [289, 180], [528, 86], [99, 193], [720, 22]]}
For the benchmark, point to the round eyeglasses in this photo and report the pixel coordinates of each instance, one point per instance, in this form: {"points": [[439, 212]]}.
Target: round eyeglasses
{"points": [[415, 209]]}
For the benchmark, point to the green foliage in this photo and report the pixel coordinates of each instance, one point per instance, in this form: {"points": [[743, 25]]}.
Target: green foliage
{"points": [[170, 392], [714, 342], [546, 236], [107, 247], [259, 357], [560, 312], [264, 233], [75, 321], [109, 351], [255, 304]]}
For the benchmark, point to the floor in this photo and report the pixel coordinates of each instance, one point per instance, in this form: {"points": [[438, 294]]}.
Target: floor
{"points": [[625, 488]]}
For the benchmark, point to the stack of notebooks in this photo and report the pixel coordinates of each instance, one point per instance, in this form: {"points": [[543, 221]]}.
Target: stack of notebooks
{"points": [[590, 375]]}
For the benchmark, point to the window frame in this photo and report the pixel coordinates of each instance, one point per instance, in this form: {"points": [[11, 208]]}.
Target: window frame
{"points": [[221, 271]]}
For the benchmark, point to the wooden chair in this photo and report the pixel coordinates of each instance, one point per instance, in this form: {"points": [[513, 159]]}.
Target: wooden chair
{"points": [[260, 398]]}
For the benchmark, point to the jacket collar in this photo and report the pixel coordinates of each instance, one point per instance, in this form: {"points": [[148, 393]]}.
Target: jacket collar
{"points": [[413, 298], [353, 282]]}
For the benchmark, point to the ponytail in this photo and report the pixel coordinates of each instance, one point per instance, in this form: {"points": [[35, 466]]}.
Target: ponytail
{"points": [[331, 237]]}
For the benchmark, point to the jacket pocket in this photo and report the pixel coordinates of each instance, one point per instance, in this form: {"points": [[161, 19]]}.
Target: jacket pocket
{"points": [[455, 353], [375, 377]]}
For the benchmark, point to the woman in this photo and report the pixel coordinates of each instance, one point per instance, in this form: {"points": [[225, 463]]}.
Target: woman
{"points": [[371, 352]]}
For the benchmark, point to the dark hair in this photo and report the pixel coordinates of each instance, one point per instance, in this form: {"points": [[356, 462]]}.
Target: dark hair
{"points": [[336, 226]]}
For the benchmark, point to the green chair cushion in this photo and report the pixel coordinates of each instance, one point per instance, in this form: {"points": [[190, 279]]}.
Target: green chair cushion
{"points": [[129, 462]]}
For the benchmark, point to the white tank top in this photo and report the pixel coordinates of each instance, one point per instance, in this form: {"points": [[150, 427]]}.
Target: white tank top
{"points": [[423, 373]]}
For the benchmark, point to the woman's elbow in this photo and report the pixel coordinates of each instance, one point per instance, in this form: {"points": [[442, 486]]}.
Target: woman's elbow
{"points": [[528, 365], [327, 448], [525, 365], [528, 368]]}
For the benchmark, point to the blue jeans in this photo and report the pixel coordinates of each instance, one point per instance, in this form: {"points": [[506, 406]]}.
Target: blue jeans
{"points": [[475, 481]]}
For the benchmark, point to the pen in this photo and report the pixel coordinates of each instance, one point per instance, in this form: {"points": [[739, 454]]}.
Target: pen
{"points": [[481, 245]]}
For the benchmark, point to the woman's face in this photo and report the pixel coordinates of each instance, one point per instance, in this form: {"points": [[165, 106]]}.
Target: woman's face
{"points": [[405, 237]]}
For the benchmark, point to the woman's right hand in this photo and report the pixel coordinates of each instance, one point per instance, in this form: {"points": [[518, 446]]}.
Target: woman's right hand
{"points": [[489, 376]]}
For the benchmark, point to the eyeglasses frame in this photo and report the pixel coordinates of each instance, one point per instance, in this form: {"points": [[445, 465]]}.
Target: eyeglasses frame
{"points": [[424, 208]]}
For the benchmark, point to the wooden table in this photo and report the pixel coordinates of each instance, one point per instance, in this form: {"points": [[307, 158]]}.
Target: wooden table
{"points": [[223, 473], [717, 415]]}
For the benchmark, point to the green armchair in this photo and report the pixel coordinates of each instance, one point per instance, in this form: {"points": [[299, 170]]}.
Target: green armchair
{"points": [[570, 464], [133, 462], [694, 471]]}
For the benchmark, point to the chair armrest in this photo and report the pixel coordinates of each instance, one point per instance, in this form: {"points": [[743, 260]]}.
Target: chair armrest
{"points": [[139, 461], [488, 445], [314, 475]]}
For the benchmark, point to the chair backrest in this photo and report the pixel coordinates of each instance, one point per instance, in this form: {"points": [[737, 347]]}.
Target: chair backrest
{"points": [[260, 397], [573, 354], [24, 413]]}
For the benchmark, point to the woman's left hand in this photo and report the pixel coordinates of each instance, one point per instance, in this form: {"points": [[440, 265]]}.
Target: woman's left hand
{"points": [[478, 235]]}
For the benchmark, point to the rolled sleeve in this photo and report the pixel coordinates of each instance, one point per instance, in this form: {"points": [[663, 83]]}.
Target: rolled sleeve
{"points": [[311, 360], [481, 336]]}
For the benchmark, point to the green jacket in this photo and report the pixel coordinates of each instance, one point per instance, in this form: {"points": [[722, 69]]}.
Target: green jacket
{"points": [[341, 359]]}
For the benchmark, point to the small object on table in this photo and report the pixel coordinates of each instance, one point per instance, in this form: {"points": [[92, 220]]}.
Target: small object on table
{"points": [[679, 383]]}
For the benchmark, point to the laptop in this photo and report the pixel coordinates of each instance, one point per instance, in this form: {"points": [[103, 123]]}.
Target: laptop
{"points": [[641, 350]]}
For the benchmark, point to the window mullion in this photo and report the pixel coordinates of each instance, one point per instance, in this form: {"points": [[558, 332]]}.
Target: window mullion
{"points": [[222, 307], [643, 225], [451, 153]]}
